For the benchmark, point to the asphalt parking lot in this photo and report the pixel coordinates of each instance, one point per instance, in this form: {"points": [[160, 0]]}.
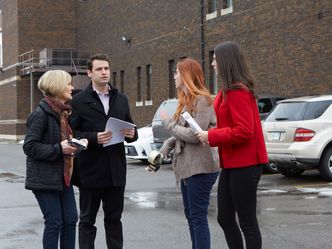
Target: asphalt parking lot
{"points": [[292, 212]]}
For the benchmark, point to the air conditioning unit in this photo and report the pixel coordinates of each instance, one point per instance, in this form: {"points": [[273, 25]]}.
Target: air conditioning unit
{"points": [[44, 57], [57, 57]]}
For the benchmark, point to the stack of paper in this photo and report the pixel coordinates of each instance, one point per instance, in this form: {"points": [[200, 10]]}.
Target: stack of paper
{"points": [[115, 126], [191, 121]]}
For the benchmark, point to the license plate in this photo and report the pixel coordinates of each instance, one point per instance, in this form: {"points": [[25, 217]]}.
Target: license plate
{"points": [[275, 135], [126, 150]]}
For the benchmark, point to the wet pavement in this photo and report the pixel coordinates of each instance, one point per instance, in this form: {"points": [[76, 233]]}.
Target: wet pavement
{"points": [[292, 212]]}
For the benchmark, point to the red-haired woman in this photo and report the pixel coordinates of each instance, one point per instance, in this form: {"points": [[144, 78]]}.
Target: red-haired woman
{"points": [[242, 151], [195, 164]]}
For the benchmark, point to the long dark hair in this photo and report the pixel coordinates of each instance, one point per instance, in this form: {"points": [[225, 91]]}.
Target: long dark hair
{"points": [[232, 67]]}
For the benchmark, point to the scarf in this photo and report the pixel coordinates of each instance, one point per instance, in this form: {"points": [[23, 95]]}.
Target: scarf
{"points": [[63, 110]]}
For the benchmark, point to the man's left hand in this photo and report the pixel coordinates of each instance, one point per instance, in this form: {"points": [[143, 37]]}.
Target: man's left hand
{"points": [[130, 133]]}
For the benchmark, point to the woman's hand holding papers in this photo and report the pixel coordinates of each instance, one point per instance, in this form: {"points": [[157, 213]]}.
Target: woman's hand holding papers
{"points": [[203, 136]]}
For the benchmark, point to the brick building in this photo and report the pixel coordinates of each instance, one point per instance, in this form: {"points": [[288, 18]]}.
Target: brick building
{"points": [[288, 44]]}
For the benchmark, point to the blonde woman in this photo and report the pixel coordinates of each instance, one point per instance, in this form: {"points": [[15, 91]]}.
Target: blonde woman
{"points": [[49, 160]]}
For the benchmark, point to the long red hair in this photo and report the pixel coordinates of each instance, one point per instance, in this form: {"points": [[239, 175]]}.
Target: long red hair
{"points": [[193, 78]]}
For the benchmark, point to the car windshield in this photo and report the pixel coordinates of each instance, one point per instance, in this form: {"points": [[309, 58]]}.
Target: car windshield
{"points": [[168, 107], [287, 111]]}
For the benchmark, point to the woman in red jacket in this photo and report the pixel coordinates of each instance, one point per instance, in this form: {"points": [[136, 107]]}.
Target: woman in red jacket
{"points": [[241, 146]]}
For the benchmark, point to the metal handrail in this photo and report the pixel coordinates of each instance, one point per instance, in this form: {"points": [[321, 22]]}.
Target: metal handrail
{"points": [[70, 59]]}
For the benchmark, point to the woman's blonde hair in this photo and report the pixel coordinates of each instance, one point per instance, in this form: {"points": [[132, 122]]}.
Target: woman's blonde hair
{"points": [[193, 78], [54, 82]]}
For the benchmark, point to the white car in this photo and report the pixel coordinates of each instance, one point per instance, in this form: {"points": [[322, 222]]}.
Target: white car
{"points": [[298, 135], [141, 148]]}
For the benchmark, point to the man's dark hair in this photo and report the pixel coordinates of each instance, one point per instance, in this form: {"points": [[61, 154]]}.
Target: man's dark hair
{"points": [[101, 57]]}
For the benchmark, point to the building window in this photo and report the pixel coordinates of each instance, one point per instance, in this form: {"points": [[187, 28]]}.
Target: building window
{"points": [[211, 9], [213, 84], [211, 6], [148, 100], [226, 7], [1, 49], [171, 81], [114, 79], [226, 4], [139, 87], [122, 75]]}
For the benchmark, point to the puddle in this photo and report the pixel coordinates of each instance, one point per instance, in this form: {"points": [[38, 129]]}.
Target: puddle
{"points": [[7, 174], [303, 192], [274, 191], [320, 191], [295, 212], [10, 177], [16, 233], [16, 179], [155, 199], [162, 200]]}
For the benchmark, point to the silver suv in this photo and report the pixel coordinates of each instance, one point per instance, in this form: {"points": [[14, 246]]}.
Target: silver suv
{"points": [[160, 133], [298, 135]]}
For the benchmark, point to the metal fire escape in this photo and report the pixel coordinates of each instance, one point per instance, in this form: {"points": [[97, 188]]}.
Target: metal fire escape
{"points": [[36, 62], [39, 61]]}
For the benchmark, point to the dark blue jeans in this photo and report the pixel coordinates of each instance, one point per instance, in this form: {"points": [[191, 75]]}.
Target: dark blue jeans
{"points": [[60, 215], [196, 192]]}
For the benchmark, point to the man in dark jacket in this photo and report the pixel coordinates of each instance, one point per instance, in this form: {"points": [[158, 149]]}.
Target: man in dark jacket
{"points": [[101, 170]]}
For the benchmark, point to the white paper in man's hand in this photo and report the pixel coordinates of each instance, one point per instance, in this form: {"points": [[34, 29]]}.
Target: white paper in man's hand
{"points": [[193, 124], [115, 126]]}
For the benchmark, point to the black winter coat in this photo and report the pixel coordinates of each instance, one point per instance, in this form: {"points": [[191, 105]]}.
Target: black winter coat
{"points": [[44, 162], [99, 166]]}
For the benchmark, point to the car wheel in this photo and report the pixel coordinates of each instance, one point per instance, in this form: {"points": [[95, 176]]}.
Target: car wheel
{"points": [[290, 171], [271, 168], [325, 164]]}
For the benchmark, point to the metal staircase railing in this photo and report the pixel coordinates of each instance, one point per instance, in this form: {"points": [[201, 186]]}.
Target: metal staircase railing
{"points": [[70, 60]]}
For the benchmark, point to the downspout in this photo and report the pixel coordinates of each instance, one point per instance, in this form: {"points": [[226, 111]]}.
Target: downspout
{"points": [[32, 92], [202, 36]]}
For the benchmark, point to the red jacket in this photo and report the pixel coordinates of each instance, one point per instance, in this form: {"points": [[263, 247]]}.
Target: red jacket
{"points": [[238, 134]]}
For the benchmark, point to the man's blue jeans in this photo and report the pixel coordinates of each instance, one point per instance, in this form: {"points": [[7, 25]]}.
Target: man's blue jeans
{"points": [[60, 215], [196, 192]]}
